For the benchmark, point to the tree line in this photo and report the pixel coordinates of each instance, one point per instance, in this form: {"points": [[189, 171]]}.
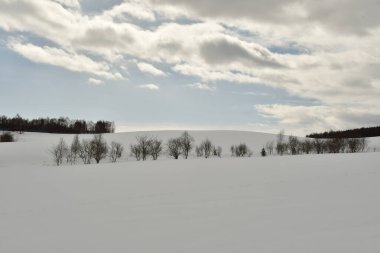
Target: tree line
{"points": [[97, 149], [294, 146], [145, 147], [62, 125], [363, 132]]}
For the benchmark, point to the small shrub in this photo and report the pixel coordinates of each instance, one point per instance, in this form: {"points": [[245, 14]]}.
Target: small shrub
{"points": [[7, 137], [263, 152]]}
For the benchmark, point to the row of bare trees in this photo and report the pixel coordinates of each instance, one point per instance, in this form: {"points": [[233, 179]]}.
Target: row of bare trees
{"points": [[241, 150], [97, 149], [146, 146], [175, 147], [294, 146], [206, 149], [87, 150]]}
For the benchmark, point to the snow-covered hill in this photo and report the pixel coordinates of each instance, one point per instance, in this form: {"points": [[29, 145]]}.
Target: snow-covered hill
{"points": [[34, 147], [313, 203]]}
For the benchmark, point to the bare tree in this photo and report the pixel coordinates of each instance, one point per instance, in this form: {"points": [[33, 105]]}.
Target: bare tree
{"points": [[319, 146], [270, 147], [59, 151], [294, 145], [74, 150], [363, 144], [199, 151], [336, 145], [281, 146], [116, 151], [356, 145], [136, 152], [207, 147], [218, 151], [241, 150], [187, 144], [232, 149], [155, 148], [99, 147], [174, 147], [86, 152], [353, 145], [307, 146], [144, 143]]}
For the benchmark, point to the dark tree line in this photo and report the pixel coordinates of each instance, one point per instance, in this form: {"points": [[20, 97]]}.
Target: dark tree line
{"points": [[61, 125], [363, 132]]}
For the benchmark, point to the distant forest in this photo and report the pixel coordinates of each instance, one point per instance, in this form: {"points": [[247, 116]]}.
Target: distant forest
{"points": [[353, 133], [61, 125]]}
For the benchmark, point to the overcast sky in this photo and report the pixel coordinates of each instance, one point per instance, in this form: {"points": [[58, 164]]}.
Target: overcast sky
{"points": [[260, 65]]}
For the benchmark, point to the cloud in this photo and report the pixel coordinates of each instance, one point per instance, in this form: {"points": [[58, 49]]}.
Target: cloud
{"points": [[61, 58], [304, 119], [136, 9], [150, 69], [225, 50], [214, 41], [95, 81], [201, 86], [352, 16], [150, 86], [69, 3], [206, 73]]}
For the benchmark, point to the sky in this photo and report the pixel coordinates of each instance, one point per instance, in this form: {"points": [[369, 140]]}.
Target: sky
{"points": [[263, 65]]}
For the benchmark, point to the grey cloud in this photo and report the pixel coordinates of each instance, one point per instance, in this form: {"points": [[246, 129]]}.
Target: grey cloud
{"points": [[222, 51], [104, 37], [360, 119], [349, 16]]}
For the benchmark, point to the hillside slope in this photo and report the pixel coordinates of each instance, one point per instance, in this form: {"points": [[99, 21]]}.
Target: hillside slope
{"points": [[316, 203], [33, 148]]}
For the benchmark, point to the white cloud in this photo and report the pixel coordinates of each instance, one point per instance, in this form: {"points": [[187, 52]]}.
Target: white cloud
{"points": [[202, 86], [230, 41], [150, 86], [350, 16], [61, 58], [150, 69], [95, 82], [69, 3], [137, 9], [304, 119]]}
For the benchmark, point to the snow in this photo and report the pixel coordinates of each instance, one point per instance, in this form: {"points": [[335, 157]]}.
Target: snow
{"points": [[313, 203]]}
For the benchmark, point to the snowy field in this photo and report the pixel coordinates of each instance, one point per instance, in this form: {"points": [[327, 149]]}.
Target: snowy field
{"points": [[313, 203]]}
